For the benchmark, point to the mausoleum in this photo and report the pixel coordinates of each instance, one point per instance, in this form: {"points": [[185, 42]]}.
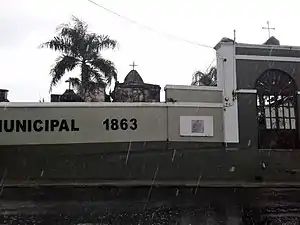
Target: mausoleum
{"points": [[133, 89]]}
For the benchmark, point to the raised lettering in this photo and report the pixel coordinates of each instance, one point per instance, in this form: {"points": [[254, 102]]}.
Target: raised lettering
{"points": [[46, 126], [123, 124], [134, 124], [73, 126], [54, 124], [21, 125], [9, 127], [64, 126], [29, 124], [37, 125]]}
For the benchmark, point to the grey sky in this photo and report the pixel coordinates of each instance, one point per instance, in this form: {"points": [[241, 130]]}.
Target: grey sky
{"points": [[24, 24]]}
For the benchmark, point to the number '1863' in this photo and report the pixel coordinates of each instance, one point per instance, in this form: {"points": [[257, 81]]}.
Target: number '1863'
{"points": [[122, 124]]}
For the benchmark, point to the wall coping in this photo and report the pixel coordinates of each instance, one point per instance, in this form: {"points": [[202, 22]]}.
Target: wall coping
{"points": [[107, 104], [192, 87]]}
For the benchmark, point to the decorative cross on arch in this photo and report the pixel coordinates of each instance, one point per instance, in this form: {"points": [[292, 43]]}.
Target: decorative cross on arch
{"points": [[268, 28], [133, 65]]}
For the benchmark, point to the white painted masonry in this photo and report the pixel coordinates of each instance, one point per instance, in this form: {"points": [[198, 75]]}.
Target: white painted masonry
{"points": [[226, 68]]}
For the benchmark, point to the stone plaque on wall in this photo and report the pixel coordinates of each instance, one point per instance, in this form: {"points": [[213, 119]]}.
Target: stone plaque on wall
{"points": [[196, 126]]}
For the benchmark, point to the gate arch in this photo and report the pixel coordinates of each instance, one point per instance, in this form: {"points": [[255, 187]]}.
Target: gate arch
{"points": [[277, 112]]}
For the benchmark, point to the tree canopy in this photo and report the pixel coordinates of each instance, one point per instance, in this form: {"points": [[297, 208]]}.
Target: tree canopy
{"points": [[205, 79], [79, 48]]}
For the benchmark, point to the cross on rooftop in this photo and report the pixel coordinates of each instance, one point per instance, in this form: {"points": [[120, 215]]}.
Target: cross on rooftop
{"points": [[268, 28], [70, 83], [133, 65]]}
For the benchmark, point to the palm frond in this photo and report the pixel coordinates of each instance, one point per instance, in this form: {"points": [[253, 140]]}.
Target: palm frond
{"points": [[75, 83], [109, 79], [90, 47], [197, 78], [98, 77], [63, 64], [75, 33], [94, 44], [106, 67], [91, 79], [78, 27], [205, 79], [106, 43], [58, 44], [94, 74], [213, 73]]}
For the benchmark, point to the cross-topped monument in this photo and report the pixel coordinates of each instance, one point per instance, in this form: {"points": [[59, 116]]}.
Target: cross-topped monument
{"points": [[268, 28], [133, 65]]}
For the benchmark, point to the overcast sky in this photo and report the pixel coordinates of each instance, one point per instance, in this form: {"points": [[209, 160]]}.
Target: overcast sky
{"points": [[24, 24]]}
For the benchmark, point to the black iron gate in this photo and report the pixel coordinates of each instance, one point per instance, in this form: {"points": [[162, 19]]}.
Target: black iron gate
{"points": [[277, 110]]}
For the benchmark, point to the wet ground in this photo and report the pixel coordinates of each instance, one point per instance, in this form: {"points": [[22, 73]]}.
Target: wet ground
{"points": [[184, 206]]}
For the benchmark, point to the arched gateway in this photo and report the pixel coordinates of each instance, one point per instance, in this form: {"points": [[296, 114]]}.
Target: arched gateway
{"points": [[277, 110]]}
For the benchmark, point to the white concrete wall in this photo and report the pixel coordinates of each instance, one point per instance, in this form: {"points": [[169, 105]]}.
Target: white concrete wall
{"points": [[227, 81], [154, 122]]}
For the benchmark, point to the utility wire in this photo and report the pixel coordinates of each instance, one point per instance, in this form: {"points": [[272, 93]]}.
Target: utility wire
{"points": [[147, 27], [210, 65]]}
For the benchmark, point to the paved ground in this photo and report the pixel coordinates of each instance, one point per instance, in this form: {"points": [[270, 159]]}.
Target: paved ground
{"points": [[182, 206]]}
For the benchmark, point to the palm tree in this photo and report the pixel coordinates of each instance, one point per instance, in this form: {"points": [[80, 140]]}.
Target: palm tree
{"points": [[205, 79], [79, 48]]}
